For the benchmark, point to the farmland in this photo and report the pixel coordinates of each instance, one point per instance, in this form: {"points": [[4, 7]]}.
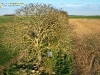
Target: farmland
{"points": [[4, 19], [85, 40], [84, 17], [5, 55]]}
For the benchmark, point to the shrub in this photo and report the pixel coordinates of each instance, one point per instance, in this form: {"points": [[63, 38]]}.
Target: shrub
{"points": [[41, 28]]}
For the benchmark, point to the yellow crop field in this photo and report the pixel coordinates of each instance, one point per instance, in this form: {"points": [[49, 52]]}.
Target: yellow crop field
{"points": [[86, 42]]}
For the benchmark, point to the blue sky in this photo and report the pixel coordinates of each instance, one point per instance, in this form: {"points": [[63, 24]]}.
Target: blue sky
{"points": [[73, 7]]}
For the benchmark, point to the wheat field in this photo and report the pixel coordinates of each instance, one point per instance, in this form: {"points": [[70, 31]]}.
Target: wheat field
{"points": [[86, 42]]}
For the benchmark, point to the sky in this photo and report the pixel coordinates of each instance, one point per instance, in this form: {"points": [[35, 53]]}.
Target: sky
{"points": [[73, 7]]}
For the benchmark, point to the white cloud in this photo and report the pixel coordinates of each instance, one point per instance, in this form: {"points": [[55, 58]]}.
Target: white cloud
{"points": [[70, 5], [94, 6], [74, 5], [79, 5]]}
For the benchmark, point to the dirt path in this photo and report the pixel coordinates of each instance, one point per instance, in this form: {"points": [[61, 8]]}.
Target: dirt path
{"points": [[86, 53]]}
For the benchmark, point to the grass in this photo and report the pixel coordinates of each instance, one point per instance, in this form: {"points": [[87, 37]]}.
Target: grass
{"points": [[5, 53], [5, 19]]}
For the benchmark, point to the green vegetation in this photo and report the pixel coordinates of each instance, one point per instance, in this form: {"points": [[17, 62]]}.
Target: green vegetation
{"points": [[87, 17], [5, 53], [5, 19]]}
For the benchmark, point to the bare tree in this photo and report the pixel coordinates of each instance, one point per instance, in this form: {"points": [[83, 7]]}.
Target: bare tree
{"points": [[44, 23]]}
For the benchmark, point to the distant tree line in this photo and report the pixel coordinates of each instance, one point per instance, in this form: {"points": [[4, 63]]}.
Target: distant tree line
{"points": [[9, 15]]}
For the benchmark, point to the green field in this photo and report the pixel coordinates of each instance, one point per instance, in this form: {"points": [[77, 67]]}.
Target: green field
{"points": [[4, 19], [87, 17], [5, 55]]}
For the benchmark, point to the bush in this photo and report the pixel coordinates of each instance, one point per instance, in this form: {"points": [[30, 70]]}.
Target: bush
{"points": [[41, 28]]}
